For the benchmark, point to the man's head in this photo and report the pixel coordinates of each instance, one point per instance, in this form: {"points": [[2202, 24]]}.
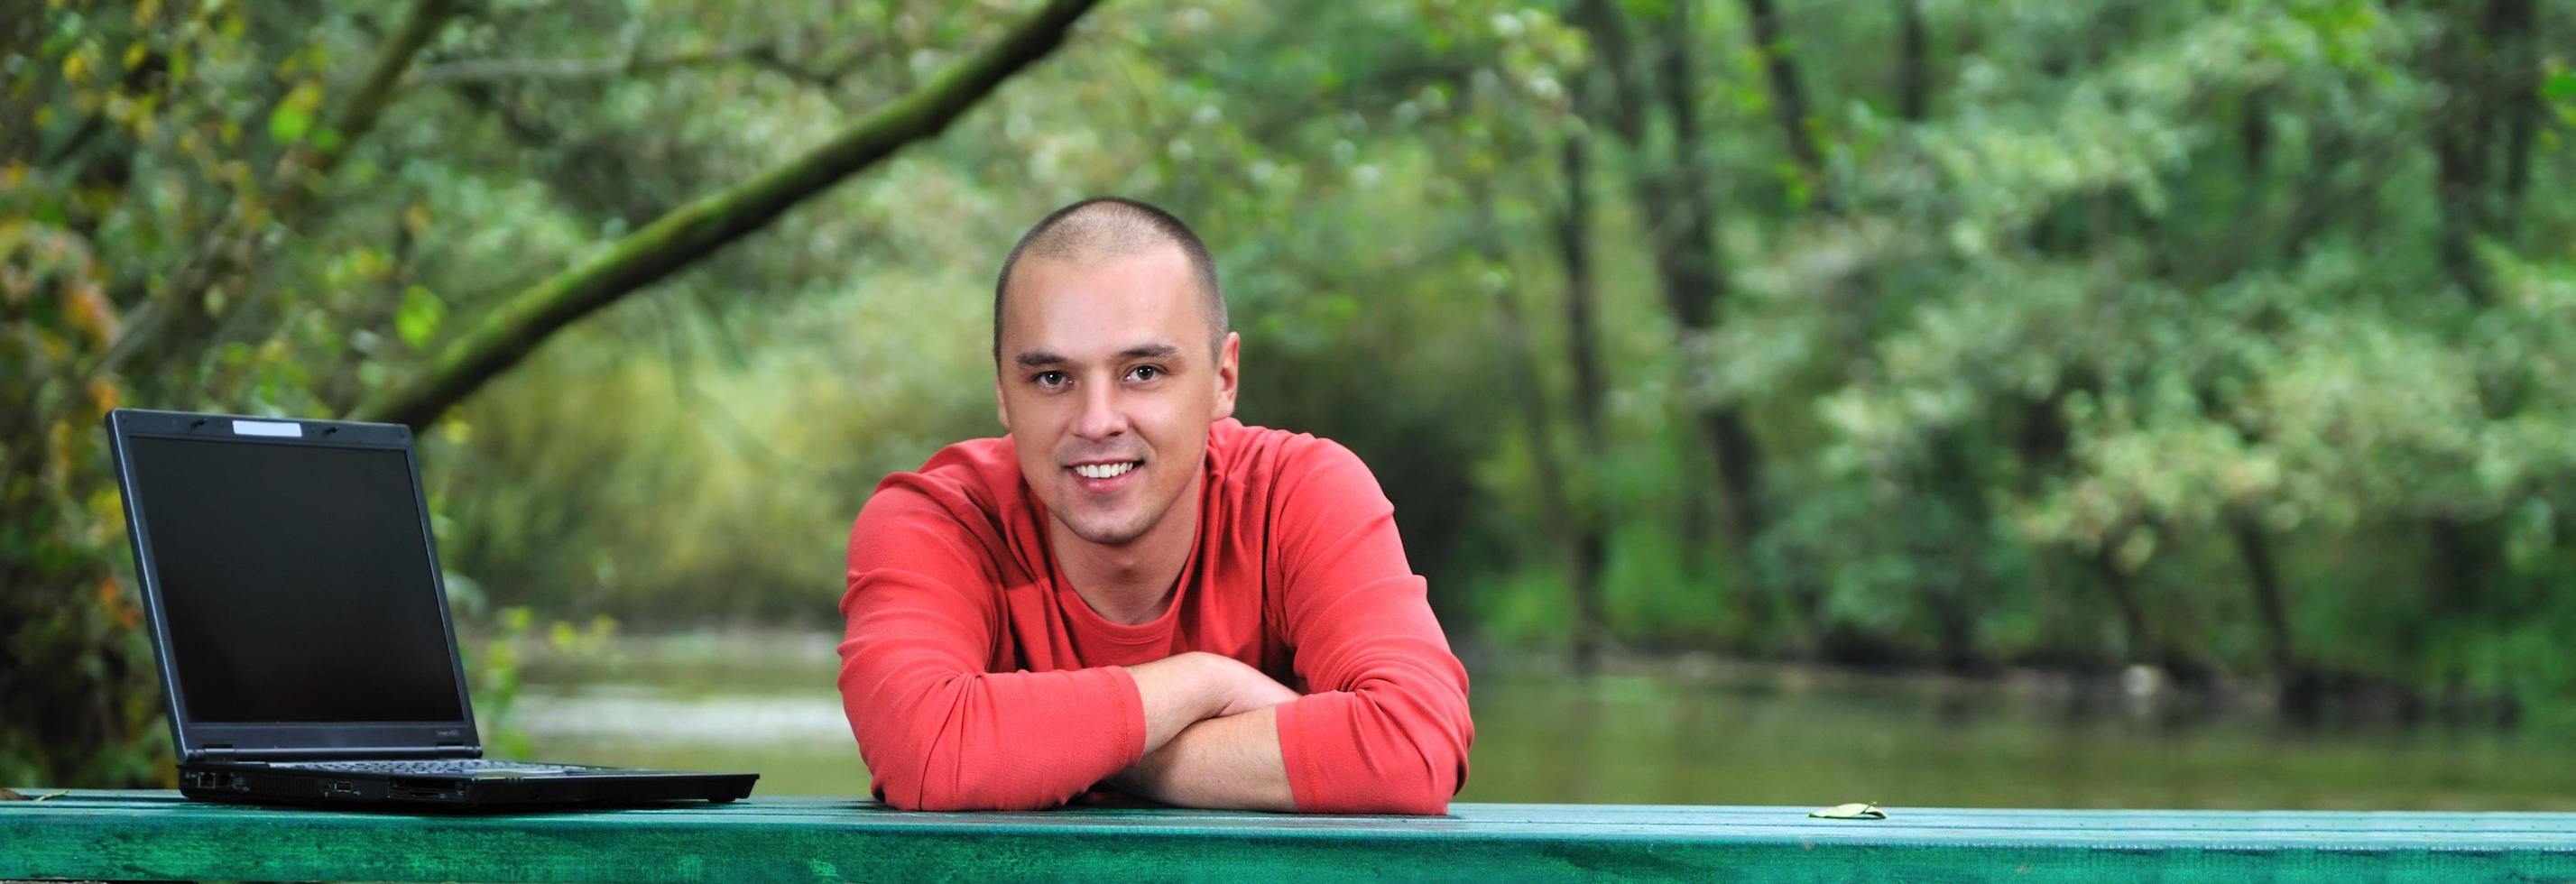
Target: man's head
{"points": [[1111, 359]]}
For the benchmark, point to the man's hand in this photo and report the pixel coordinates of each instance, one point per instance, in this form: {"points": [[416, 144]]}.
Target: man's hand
{"points": [[1251, 690], [1225, 756], [1185, 689]]}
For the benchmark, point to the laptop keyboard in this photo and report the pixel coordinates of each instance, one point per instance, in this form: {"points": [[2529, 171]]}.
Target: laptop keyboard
{"points": [[432, 765]]}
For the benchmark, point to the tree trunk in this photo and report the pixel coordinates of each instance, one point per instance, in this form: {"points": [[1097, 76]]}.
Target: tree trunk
{"points": [[1914, 63], [1562, 517], [2254, 155], [2457, 171], [1789, 100], [1574, 248], [2253, 546], [2316, 197], [2462, 553], [1954, 594], [2264, 577], [1547, 468], [2254, 133], [1695, 281], [22, 34], [514, 329], [1588, 517], [2514, 28], [1675, 198], [2133, 621], [2492, 75]]}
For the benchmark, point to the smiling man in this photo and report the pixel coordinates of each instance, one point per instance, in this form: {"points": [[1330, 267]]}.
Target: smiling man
{"points": [[1133, 592]]}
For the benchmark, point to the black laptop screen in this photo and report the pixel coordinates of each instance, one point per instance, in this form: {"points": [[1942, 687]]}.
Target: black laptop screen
{"points": [[296, 582]]}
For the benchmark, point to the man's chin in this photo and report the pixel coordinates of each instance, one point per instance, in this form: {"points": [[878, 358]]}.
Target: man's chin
{"points": [[1106, 526], [1115, 534]]}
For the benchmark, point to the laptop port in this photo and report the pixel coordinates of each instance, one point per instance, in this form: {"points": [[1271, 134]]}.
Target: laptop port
{"points": [[340, 789], [421, 790]]}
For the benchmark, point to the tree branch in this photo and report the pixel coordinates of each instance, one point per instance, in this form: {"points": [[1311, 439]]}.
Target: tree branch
{"points": [[492, 70], [821, 78], [357, 115], [1789, 97], [1617, 74], [515, 329], [167, 316]]}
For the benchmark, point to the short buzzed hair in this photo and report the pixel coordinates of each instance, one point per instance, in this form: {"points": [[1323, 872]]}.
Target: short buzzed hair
{"points": [[1110, 227]]}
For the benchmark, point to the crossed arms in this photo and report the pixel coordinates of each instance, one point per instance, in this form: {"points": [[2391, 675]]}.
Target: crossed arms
{"points": [[1384, 730], [1211, 735]]}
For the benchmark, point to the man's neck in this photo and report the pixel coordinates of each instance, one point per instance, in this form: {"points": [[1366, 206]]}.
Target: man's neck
{"points": [[1133, 582]]}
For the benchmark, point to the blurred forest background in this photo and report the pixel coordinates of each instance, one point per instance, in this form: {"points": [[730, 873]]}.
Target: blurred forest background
{"points": [[2229, 342]]}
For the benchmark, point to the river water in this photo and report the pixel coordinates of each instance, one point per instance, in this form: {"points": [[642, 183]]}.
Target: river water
{"points": [[1691, 731]]}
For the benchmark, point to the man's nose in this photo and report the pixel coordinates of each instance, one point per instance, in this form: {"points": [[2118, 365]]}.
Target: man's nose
{"points": [[1100, 417]]}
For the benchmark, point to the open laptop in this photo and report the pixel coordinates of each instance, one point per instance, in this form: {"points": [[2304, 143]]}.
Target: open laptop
{"points": [[293, 595]]}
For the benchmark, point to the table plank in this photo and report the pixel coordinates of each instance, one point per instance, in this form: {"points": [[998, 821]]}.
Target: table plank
{"points": [[158, 835]]}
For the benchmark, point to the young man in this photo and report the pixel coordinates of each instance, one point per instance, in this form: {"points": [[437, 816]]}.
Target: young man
{"points": [[1133, 591]]}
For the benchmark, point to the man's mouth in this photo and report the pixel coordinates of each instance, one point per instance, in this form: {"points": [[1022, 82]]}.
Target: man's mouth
{"points": [[1106, 470]]}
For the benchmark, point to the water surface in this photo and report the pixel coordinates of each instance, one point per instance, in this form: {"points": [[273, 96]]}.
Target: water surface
{"points": [[1694, 733]]}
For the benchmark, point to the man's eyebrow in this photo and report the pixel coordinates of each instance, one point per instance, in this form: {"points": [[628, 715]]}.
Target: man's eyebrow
{"points": [[1044, 358]]}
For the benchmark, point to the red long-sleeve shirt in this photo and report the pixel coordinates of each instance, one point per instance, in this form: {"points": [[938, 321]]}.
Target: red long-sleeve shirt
{"points": [[975, 678]]}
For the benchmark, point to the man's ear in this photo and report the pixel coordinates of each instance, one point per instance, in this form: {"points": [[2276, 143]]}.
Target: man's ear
{"points": [[1001, 409], [1228, 368]]}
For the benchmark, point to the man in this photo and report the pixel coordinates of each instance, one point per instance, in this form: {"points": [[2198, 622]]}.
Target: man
{"points": [[1132, 591]]}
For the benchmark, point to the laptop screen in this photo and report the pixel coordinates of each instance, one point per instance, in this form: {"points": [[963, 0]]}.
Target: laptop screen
{"points": [[296, 582]]}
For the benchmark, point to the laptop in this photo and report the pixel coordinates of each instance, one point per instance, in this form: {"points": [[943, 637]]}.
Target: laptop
{"points": [[300, 625]]}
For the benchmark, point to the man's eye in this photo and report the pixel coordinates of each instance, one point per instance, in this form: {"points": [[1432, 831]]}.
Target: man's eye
{"points": [[1144, 373], [1049, 378]]}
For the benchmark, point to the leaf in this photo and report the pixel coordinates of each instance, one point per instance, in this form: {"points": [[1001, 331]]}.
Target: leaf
{"points": [[287, 124], [2561, 85], [1868, 811], [416, 321], [294, 114]]}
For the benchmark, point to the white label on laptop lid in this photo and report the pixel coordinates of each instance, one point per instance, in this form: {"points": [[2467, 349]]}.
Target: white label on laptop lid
{"points": [[286, 429]]}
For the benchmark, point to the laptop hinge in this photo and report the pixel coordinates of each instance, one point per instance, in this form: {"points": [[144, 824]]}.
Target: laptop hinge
{"points": [[225, 752]]}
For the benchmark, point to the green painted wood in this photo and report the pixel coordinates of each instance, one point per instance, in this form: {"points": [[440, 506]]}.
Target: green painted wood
{"points": [[157, 835]]}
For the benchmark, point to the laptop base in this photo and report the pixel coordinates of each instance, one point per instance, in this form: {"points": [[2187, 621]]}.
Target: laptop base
{"points": [[253, 782]]}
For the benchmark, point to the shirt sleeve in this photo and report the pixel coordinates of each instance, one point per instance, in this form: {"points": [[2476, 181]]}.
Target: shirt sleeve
{"points": [[1386, 729], [938, 731]]}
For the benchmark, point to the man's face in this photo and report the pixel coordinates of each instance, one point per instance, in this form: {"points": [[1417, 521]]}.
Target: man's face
{"points": [[1107, 386]]}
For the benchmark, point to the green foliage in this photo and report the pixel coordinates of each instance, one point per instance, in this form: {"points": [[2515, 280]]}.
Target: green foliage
{"points": [[2232, 337], [495, 666], [157, 254]]}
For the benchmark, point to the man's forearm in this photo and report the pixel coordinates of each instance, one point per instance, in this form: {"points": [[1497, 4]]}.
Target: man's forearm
{"points": [[1176, 692], [1185, 689], [1230, 762], [1211, 735]]}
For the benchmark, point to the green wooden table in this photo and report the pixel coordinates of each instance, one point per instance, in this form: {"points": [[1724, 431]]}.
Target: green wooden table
{"points": [[149, 835]]}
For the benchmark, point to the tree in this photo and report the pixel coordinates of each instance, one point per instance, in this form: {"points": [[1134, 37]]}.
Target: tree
{"points": [[1674, 194], [181, 332]]}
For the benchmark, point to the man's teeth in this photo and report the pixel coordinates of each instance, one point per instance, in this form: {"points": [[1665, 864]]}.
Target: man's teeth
{"points": [[1103, 470]]}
